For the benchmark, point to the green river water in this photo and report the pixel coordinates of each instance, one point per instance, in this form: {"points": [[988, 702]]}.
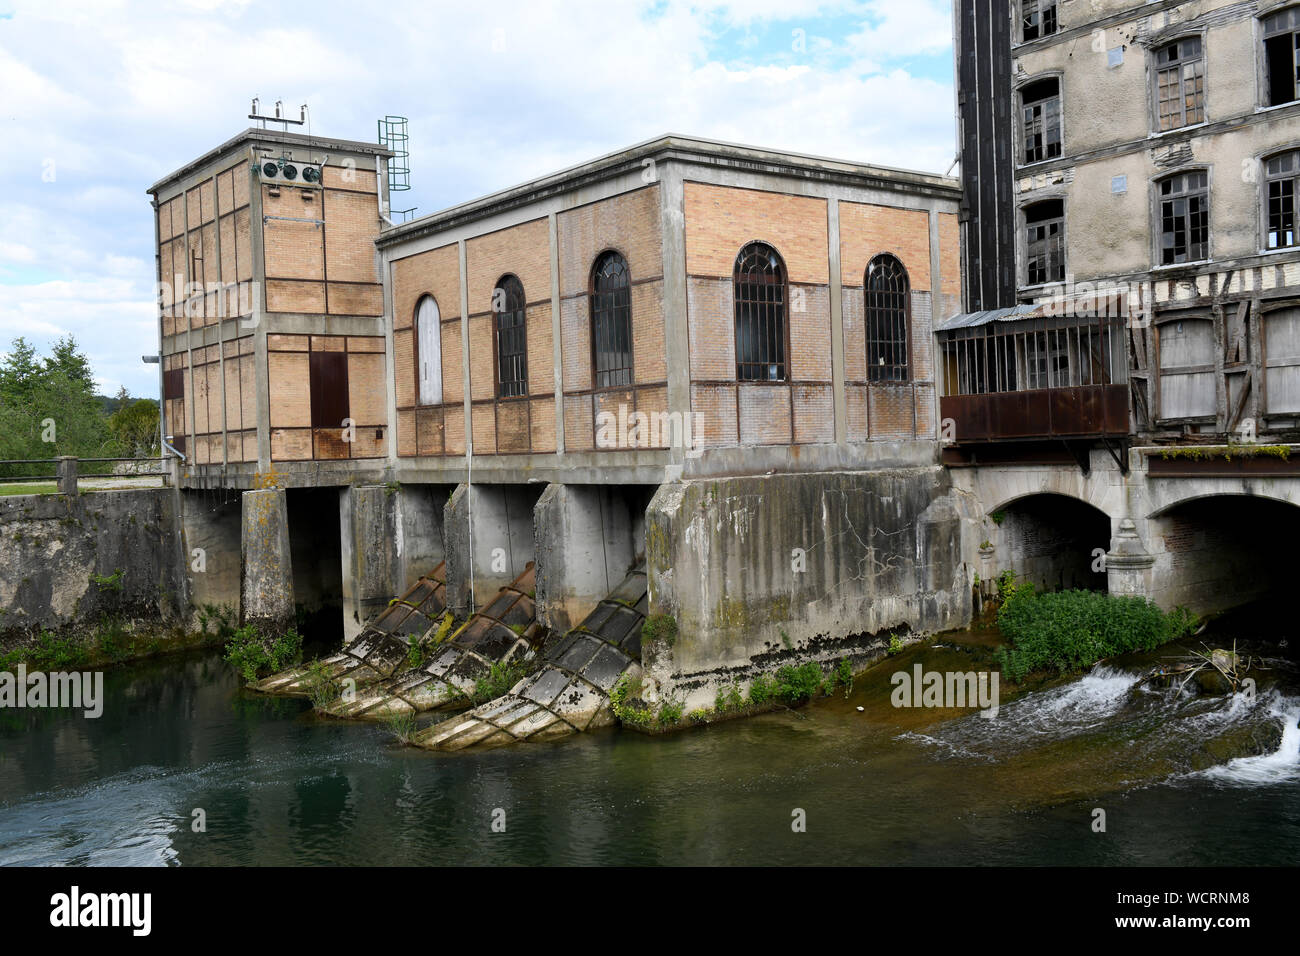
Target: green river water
{"points": [[884, 785]]}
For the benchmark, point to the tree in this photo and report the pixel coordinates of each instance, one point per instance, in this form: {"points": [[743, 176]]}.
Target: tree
{"points": [[19, 373], [135, 426], [69, 360]]}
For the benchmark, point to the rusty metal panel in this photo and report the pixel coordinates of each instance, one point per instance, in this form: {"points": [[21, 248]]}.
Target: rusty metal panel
{"points": [[329, 389]]}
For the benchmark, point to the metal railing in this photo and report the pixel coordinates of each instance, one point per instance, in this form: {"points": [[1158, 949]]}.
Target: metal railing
{"points": [[68, 471]]}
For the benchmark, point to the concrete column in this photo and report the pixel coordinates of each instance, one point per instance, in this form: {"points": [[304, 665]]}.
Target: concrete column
{"points": [[369, 553], [210, 553], [67, 472], [1128, 565], [585, 544], [266, 576], [488, 532]]}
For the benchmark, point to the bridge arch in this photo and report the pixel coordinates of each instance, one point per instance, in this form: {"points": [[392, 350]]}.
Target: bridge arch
{"points": [[1054, 540]]}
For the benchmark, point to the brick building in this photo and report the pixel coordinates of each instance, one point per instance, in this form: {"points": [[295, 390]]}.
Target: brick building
{"points": [[615, 285]]}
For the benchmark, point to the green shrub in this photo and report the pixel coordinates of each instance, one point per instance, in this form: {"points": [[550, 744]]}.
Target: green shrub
{"points": [[795, 685], [322, 688], [1066, 631], [256, 653], [761, 689]]}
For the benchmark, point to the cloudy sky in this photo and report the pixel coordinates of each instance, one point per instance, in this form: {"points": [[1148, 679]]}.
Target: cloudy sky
{"points": [[99, 99]]}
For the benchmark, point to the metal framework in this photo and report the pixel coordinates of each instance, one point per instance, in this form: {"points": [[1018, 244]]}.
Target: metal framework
{"points": [[888, 311], [760, 298], [508, 307], [393, 135], [1044, 376], [611, 321]]}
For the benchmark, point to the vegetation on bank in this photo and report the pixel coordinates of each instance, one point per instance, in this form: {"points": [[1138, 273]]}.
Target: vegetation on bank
{"points": [[256, 652], [1062, 632], [789, 686]]}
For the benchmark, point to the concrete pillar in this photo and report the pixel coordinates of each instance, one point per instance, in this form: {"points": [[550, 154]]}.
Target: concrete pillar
{"points": [[488, 532], [418, 523], [585, 544], [1128, 565], [67, 471], [368, 536], [210, 554], [266, 576]]}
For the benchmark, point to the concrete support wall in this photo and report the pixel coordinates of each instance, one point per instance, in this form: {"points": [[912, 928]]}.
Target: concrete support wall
{"points": [[66, 560], [212, 523], [488, 533], [266, 581], [758, 571], [586, 540], [367, 531], [418, 521], [390, 535]]}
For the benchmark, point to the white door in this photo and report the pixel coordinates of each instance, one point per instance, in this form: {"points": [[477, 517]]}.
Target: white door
{"points": [[429, 349]]}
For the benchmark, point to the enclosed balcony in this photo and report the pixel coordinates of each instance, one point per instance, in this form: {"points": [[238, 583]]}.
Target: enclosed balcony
{"points": [[1025, 374]]}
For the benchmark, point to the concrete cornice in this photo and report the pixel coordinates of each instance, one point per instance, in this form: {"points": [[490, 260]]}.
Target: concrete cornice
{"points": [[271, 138], [684, 149]]}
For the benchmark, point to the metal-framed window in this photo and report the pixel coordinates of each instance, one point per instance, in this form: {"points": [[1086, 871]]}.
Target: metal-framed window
{"points": [[428, 349], [1180, 83], [760, 297], [1184, 211], [611, 321], [1041, 113], [1045, 242], [1281, 182], [1282, 56], [510, 321], [1037, 19], [888, 313]]}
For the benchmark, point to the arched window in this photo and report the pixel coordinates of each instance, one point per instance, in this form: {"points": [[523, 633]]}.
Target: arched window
{"points": [[428, 351], [888, 313], [611, 321], [759, 286], [512, 337]]}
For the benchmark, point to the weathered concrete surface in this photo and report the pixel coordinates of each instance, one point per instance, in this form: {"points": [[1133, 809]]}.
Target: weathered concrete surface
{"points": [[587, 537], [417, 522], [763, 570], [488, 533], [266, 576], [51, 545], [369, 537], [569, 693], [212, 523]]}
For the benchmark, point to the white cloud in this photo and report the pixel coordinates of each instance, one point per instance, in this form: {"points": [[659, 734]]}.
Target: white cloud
{"points": [[117, 95]]}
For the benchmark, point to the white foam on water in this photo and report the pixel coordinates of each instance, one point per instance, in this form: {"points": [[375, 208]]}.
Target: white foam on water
{"points": [[1281, 766]]}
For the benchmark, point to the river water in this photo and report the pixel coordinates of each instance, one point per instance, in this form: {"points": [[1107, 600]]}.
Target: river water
{"points": [[884, 785]]}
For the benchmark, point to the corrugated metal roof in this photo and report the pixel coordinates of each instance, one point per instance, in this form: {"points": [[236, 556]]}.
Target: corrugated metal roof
{"points": [[966, 320]]}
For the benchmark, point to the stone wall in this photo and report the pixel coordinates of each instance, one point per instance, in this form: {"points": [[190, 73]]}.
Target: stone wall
{"points": [[55, 546]]}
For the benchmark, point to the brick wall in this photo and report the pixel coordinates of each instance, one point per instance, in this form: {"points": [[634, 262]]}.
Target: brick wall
{"points": [[294, 436]]}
